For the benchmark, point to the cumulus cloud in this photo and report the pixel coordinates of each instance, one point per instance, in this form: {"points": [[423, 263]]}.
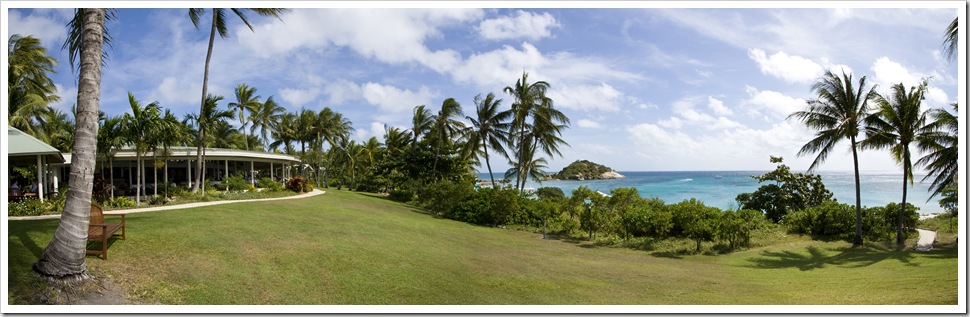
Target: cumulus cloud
{"points": [[587, 97], [524, 24], [342, 91], [792, 69], [376, 129], [388, 35], [173, 92], [718, 107], [299, 97], [684, 108], [45, 25], [777, 104], [888, 73], [588, 124], [393, 99]]}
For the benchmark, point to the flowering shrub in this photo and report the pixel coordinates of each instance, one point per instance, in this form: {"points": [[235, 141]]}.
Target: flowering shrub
{"points": [[299, 185]]}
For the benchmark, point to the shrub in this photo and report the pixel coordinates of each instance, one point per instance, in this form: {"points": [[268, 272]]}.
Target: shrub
{"points": [[299, 184], [156, 200], [550, 193], [401, 195], [440, 197], [101, 191], [236, 183], [178, 191], [26, 207], [270, 184], [121, 202]]}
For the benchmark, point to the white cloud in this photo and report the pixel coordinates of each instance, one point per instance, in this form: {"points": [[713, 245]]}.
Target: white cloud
{"points": [[172, 92], [387, 35], [523, 25], [684, 108], [718, 107], [48, 27], [587, 97], [792, 69], [376, 129], [672, 122], [588, 124], [393, 99], [776, 103], [888, 73], [342, 91], [299, 97]]}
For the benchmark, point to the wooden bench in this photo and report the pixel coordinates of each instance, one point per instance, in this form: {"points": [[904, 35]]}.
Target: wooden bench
{"points": [[100, 231]]}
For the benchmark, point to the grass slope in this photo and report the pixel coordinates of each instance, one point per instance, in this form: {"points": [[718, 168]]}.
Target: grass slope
{"points": [[351, 248]]}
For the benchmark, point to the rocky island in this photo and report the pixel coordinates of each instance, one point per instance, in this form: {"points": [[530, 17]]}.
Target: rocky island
{"points": [[585, 170]]}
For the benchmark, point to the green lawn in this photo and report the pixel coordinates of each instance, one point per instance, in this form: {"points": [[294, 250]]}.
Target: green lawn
{"points": [[351, 248]]}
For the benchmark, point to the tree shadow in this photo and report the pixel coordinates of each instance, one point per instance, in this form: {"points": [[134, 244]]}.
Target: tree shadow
{"points": [[817, 258]]}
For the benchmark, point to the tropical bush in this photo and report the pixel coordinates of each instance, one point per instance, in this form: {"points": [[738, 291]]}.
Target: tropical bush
{"points": [[834, 220], [121, 202], [401, 195], [788, 192], [236, 183], [270, 184], [299, 184], [26, 207]]}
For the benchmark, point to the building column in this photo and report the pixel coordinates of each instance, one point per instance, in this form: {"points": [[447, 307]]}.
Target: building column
{"points": [[271, 171], [40, 179], [189, 168], [252, 174], [226, 164]]}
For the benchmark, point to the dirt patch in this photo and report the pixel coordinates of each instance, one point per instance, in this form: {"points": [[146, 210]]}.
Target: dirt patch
{"points": [[91, 291]]}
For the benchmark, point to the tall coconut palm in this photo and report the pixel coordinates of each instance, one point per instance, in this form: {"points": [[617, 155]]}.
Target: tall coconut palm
{"points": [[951, 39], [395, 139], [446, 127], [110, 137], [897, 122], [171, 133], [545, 134], [245, 101], [220, 23], [284, 132], [837, 114], [489, 129], [205, 121], [526, 96], [421, 122], [941, 145], [306, 131], [29, 89], [263, 118], [63, 258], [140, 127], [57, 129]]}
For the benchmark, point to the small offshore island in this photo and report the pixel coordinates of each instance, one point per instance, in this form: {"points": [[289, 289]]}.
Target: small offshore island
{"points": [[582, 170]]}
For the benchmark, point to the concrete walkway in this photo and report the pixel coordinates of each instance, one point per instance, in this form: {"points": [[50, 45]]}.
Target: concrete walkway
{"points": [[182, 206], [926, 239]]}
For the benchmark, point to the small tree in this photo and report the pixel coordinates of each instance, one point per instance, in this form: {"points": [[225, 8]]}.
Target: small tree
{"points": [[790, 192]]}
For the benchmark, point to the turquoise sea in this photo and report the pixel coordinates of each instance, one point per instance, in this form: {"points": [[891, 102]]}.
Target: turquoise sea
{"points": [[719, 189]]}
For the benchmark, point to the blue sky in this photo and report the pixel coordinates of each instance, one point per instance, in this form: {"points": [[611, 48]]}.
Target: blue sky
{"points": [[645, 88]]}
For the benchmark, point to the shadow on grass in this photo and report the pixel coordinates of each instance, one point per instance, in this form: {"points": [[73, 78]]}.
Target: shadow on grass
{"points": [[817, 258]]}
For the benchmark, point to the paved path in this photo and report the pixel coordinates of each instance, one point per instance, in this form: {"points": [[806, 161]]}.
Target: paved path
{"points": [[182, 206], [926, 239]]}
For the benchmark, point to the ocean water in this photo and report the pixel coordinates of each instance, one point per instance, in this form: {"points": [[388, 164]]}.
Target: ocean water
{"points": [[718, 189]]}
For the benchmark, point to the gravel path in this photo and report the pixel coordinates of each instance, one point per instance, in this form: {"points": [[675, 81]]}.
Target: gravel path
{"points": [[926, 239], [182, 206]]}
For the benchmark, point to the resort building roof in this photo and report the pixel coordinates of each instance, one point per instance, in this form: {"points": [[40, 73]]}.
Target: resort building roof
{"points": [[21, 144]]}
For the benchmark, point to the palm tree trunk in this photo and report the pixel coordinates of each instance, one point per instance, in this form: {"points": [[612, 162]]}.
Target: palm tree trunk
{"points": [[857, 239], [205, 88], [63, 258], [166, 177], [487, 164], [155, 171], [138, 177], [111, 163], [902, 207]]}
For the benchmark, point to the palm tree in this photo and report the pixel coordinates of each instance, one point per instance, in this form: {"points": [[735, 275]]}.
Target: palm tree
{"points": [[526, 97], [395, 139], [284, 132], [57, 129], [63, 258], [489, 129], [29, 89], [545, 134], [110, 138], [171, 132], [306, 131], [837, 114], [140, 127], [897, 122], [421, 122], [941, 145], [951, 39], [446, 127], [263, 118], [219, 23], [245, 101], [204, 122]]}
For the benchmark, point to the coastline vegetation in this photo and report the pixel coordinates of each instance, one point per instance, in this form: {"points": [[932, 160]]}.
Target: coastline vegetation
{"points": [[432, 166]]}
